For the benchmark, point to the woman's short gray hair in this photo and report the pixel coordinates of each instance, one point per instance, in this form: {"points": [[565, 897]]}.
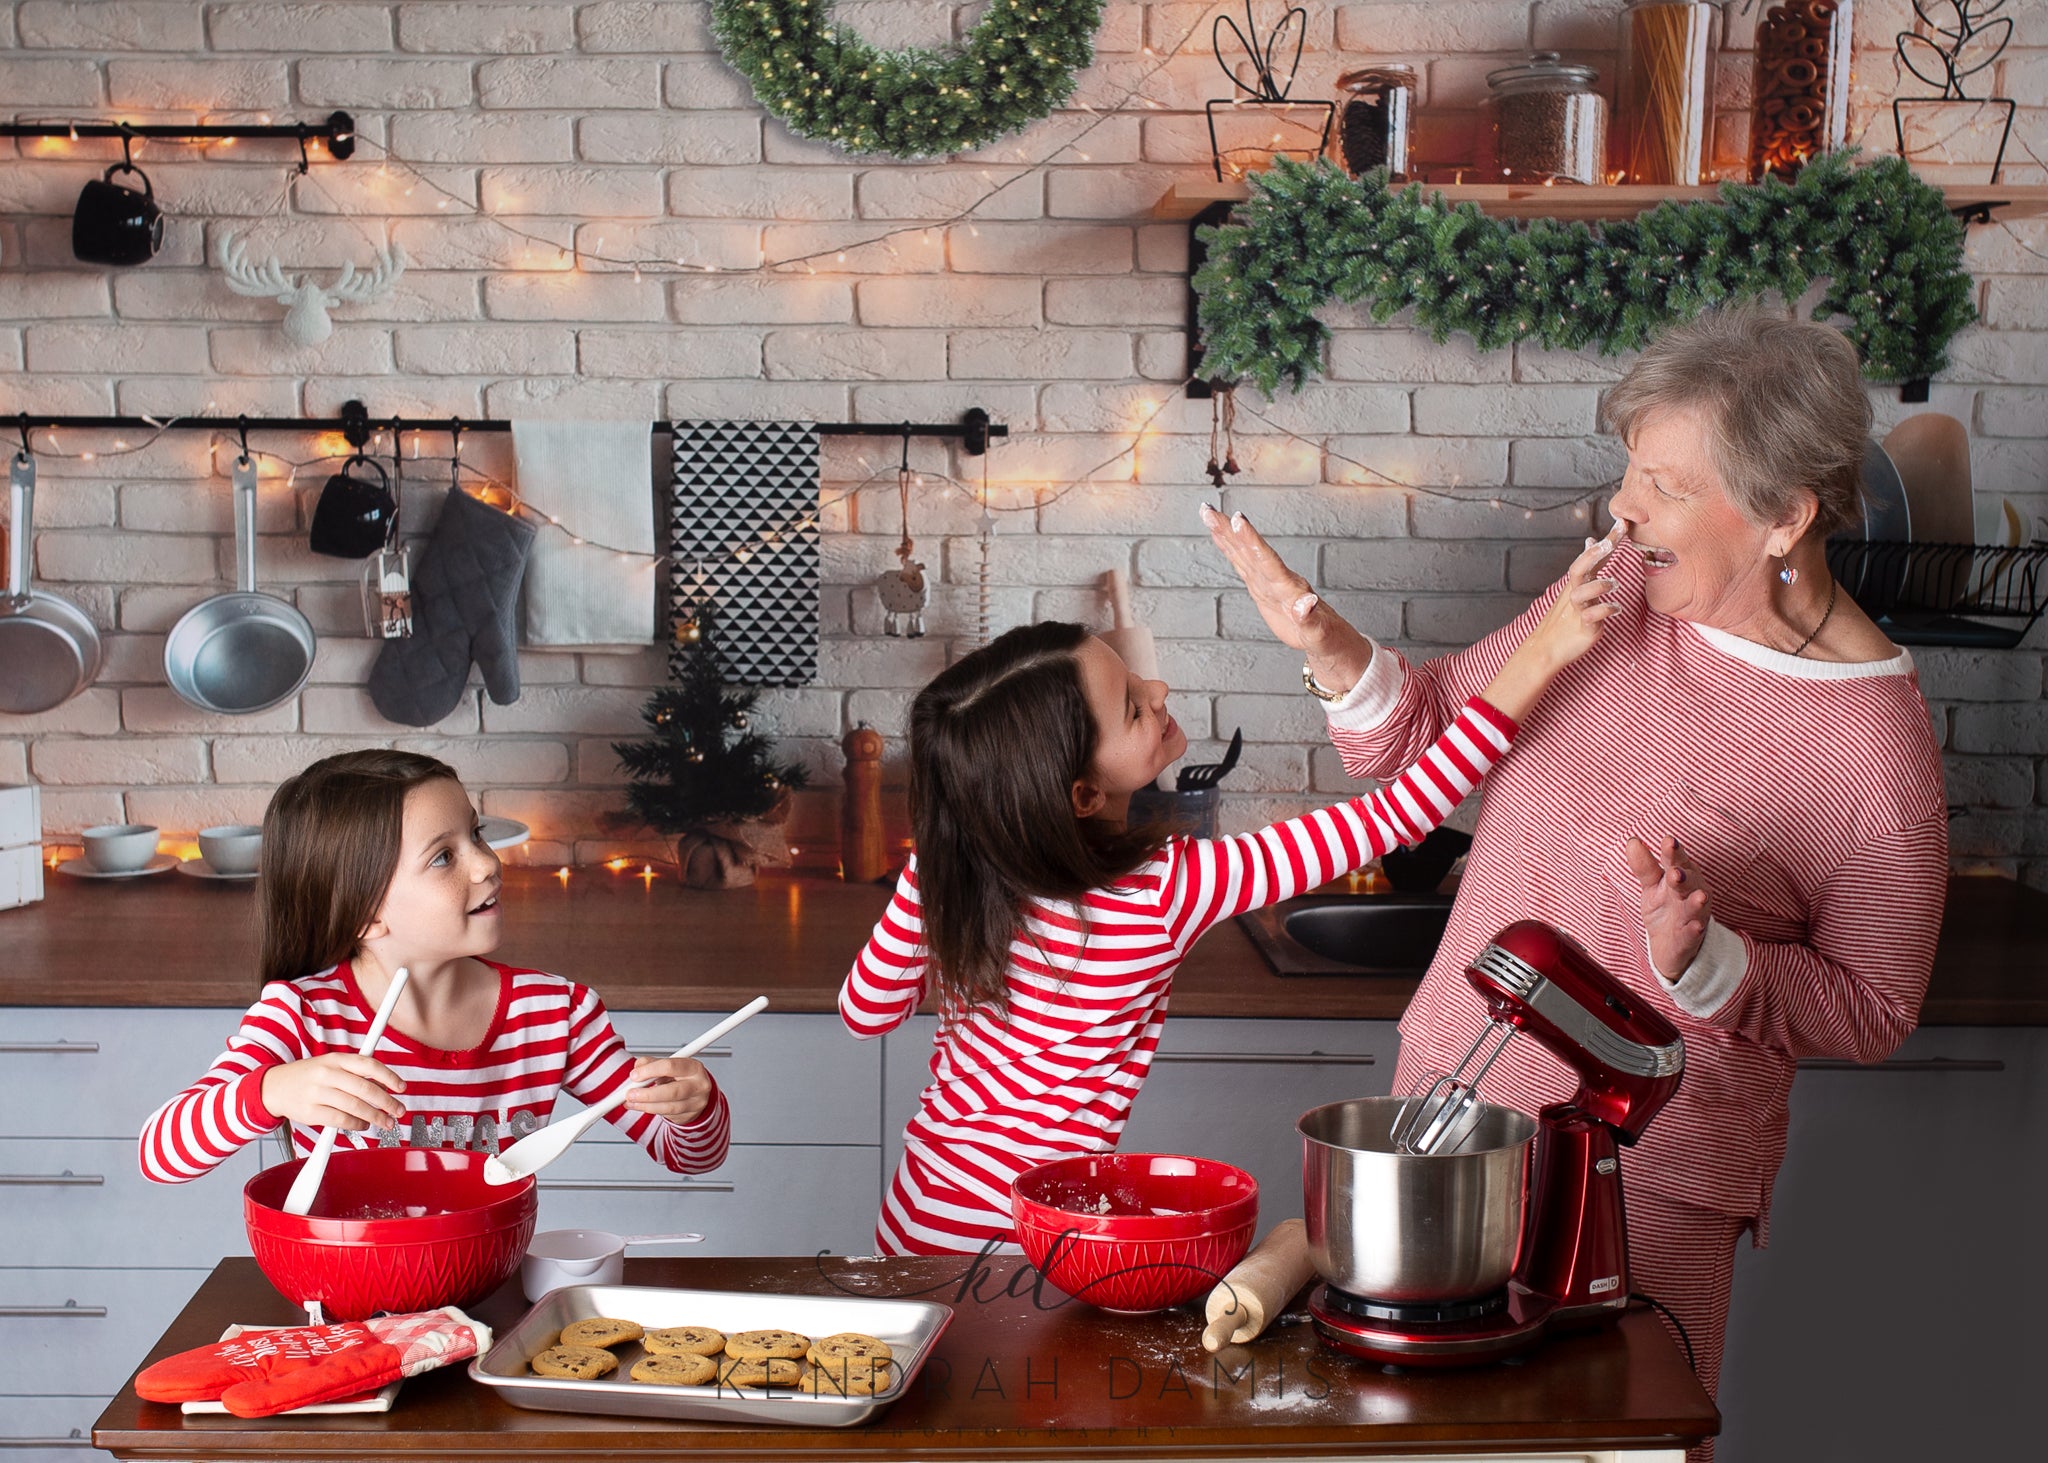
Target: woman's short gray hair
{"points": [[1783, 402]]}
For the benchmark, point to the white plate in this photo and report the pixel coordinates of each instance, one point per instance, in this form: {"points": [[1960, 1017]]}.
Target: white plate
{"points": [[197, 868], [377, 1401], [78, 868], [504, 832]]}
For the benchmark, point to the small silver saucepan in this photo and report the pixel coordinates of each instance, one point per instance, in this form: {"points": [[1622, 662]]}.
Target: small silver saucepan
{"points": [[242, 652], [49, 649]]}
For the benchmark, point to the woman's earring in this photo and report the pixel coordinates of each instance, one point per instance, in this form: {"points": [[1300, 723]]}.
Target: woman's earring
{"points": [[1787, 574]]}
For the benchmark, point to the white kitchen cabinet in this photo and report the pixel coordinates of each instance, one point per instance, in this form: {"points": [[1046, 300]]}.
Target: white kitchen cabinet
{"points": [[789, 1079], [82, 1331], [48, 1429], [71, 1201], [1224, 1089], [765, 1199], [1897, 1313], [85, 1072]]}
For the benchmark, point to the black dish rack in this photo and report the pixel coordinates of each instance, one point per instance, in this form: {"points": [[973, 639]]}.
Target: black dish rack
{"points": [[1977, 595]]}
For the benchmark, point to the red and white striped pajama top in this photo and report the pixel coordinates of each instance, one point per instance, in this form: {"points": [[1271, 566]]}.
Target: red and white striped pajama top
{"points": [[1809, 793], [1088, 988], [549, 1035]]}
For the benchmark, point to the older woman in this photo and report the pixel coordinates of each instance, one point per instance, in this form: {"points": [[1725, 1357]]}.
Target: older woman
{"points": [[1734, 801]]}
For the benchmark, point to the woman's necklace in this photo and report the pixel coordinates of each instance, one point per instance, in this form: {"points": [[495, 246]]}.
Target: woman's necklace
{"points": [[1833, 585]]}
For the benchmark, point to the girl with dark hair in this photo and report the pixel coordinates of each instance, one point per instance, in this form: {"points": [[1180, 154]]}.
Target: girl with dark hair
{"points": [[374, 861], [1047, 930]]}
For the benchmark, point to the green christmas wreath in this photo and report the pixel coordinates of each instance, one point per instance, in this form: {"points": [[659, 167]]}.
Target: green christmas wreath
{"points": [[1018, 64], [1884, 241]]}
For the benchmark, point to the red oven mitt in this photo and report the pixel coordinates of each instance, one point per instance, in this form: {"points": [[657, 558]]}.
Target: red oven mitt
{"points": [[262, 1373]]}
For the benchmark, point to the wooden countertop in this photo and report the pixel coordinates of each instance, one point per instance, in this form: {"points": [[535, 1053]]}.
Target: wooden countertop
{"points": [[654, 945], [1100, 1385]]}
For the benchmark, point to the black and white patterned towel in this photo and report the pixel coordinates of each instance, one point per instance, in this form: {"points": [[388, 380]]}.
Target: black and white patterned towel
{"points": [[743, 537]]}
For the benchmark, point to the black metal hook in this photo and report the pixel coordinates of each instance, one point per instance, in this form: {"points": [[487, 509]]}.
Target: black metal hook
{"points": [[127, 140], [242, 431], [905, 467], [27, 452], [305, 161], [455, 451]]}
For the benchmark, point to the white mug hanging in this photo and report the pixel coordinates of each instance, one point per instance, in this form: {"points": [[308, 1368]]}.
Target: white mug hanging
{"points": [[307, 304], [904, 592]]}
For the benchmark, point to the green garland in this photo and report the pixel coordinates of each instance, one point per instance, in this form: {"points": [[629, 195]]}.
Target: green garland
{"points": [[1885, 242], [1018, 64]]}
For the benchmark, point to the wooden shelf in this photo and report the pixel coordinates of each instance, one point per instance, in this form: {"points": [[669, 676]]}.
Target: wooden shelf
{"points": [[1184, 200]]}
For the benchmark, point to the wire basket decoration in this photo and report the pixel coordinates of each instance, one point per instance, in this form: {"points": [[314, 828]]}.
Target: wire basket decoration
{"points": [[1952, 122], [1265, 99], [1980, 595]]}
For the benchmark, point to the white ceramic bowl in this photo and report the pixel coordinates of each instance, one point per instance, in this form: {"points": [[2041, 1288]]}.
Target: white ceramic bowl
{"points": [[231, 848], [119, 848]]}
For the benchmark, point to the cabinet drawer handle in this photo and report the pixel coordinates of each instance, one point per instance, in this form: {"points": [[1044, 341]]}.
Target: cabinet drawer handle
{"points": [[51, 1048], [65, 1180], [709, 1051], [1908, 1064], [70, 1310], [1273, 1059], [638, 1186], [74, 1439]]}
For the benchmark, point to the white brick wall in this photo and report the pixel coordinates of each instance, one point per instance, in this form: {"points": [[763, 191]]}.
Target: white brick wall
{"points": [[616, 128]]}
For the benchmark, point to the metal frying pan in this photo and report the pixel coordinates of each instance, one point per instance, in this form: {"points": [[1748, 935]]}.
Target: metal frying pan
{"points": [[241, 652], [49, 650]]}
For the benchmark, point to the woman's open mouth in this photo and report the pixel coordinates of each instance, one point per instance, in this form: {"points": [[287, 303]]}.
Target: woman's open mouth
{"points": [[1655, 560]]}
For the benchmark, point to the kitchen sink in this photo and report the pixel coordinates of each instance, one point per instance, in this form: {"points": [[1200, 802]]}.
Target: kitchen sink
{"points": [[1379, 934]]}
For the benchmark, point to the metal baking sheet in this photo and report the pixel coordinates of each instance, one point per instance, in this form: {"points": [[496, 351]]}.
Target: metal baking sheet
{"points": [[911, 1327]]}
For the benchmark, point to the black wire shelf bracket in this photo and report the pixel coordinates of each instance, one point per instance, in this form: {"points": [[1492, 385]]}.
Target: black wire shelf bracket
{"points": [[974, 431], [1984, 596], [337, 133]]}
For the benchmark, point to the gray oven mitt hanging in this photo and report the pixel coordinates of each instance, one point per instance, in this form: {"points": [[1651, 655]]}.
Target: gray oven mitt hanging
{"points": [[465, 600]]}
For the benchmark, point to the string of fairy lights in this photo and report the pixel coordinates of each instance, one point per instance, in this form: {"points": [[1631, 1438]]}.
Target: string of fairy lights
{"points": [[1035, 495]]}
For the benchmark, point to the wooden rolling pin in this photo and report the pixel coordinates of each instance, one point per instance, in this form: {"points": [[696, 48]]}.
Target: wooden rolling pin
{"points": [[1131, 641], [1247, 1300]]}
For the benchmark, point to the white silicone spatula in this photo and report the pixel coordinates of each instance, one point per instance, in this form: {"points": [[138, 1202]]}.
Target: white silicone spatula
{"points": [[307, 1185], [536, 1151]]}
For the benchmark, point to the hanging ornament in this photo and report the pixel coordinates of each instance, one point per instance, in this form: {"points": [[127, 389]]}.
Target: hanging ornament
{"points": [[688, 632], [306, 304], [739, 721], [904, 592], [985, 528], [1222, 435]]}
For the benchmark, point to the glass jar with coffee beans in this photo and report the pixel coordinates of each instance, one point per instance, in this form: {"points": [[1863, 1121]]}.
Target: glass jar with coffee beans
{"points": [[1543, 122], [1379, 113]]}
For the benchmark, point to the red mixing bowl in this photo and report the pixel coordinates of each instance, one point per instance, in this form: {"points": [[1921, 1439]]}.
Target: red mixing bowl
{"points": [[1134, 1232], [393, 1229]]}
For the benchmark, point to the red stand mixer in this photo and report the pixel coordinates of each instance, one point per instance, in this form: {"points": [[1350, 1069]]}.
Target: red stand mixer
{"points": [[1440, 1240]]}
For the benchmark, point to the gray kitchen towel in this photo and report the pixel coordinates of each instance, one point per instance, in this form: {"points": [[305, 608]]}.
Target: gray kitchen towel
{"points": [[743, 538], [597, 480], [465, 601]]}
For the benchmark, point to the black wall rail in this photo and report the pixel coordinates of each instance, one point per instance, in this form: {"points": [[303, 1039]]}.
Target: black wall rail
{"points": [[338, 132], [974, 430]]}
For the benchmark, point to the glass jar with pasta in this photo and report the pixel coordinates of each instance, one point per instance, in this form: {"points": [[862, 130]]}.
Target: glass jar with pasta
{"points": [[1664, 112], [1802, 84]]}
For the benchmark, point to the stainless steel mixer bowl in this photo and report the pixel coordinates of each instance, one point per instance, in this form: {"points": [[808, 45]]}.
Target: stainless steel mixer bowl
{"points": [[1404, 1227]]}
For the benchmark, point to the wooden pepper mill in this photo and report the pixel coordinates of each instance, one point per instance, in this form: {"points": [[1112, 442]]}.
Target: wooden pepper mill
{"points": [[863, 857]]}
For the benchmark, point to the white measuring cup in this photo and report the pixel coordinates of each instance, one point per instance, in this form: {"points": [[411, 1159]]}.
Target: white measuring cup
{"points": [[559, 1257]]}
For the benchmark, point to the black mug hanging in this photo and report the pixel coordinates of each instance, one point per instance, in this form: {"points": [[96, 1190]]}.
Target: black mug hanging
{"points": [[117, 225], [353, 518]]}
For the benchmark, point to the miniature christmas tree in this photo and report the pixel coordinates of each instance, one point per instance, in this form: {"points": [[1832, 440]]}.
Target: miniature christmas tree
{"points": [[704, 774]]}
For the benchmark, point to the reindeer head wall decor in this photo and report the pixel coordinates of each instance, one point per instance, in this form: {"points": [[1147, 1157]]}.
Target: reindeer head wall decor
{"points": [[306, 303]]}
